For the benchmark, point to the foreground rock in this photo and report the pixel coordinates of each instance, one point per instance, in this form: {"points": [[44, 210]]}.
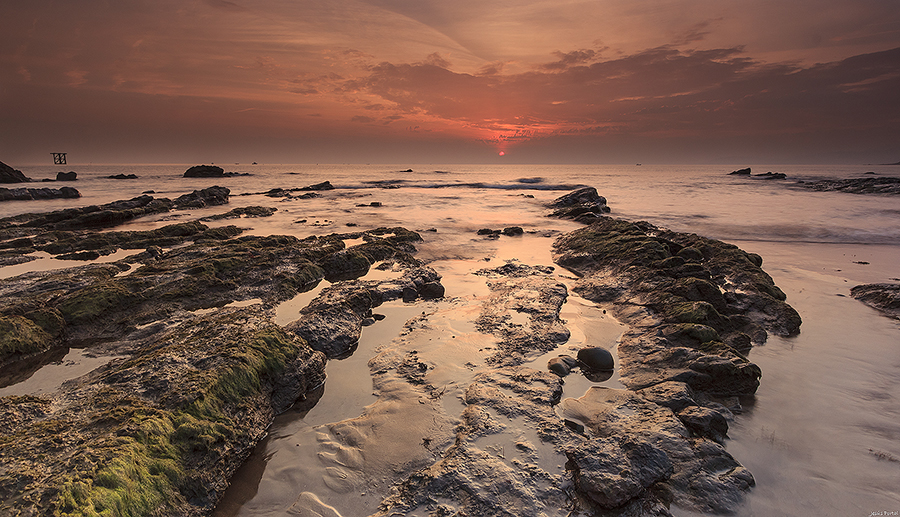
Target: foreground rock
{"points": [[625, 452], [161, 431], [10, 175], [884, 297], [695, 306], [695, 303], [879, 185]]}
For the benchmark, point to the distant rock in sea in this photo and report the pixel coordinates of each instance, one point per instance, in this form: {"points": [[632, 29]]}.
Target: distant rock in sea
{"points": [[771, 176], [325, 185], [870, 185], [740, 172], [204, 171], [123, 177], [10, 175], [31, 194], [211, 171]]}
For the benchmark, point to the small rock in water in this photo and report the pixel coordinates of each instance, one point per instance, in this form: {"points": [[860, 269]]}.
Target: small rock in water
{"points": [[513, 230], [558, 366], [596, 358]]}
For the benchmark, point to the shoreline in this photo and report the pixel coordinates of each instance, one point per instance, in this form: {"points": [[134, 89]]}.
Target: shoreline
{"points": [[488, 402]]}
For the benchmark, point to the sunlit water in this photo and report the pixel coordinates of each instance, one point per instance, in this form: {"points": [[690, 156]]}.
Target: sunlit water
{"points": [[821, 436]]}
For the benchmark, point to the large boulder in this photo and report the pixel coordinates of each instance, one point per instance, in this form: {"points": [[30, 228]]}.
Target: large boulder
{"points": [[66, 176], [582, 205], [10, 175], [204, 171]]}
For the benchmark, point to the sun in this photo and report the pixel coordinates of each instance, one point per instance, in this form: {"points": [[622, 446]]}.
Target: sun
{"points": [[501, 153]]}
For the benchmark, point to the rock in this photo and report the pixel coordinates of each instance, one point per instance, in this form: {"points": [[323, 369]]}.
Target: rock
{"points": [[704, 422], [880, 185], [884, 297], [636, 435], [123, 177], [596, 358], [277, 192], [559, 366], [432, 290], [325, 185], [613, 471], [771, 176], [332, 322], [66, 176], [10, 175], [346, 265], [578, 197], [204, 171], [29, 194], [673, 395], [740, 172], [584, 202], [690, 254], [246, 211], [686, 317], [513, 230], [210, 196], [487, 231]]}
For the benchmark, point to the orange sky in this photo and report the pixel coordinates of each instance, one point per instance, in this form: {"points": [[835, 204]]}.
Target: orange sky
{"points": [[422, 81]]}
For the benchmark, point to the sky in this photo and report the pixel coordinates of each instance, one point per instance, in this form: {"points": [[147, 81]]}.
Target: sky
{"points": [[463, 81]]}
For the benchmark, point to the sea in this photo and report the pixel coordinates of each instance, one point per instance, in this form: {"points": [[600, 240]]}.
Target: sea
{"points": [[822, 434]]}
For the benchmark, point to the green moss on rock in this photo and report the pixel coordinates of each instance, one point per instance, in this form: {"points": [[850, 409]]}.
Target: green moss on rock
{"points": [[94, 301], [19, 335]]}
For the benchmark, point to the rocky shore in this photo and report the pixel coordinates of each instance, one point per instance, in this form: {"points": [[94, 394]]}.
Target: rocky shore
{"points": [[161, 430], [204, 369], [693, 306]]}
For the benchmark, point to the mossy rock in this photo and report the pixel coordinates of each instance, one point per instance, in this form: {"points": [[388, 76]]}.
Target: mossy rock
{"points": [[19, 335], [346, 264], [690, 312], [50, 320], [95, 301]]}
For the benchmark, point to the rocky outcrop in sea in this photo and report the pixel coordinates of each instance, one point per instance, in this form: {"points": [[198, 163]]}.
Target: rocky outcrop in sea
{"points": [[871, 185], [10, 175]]}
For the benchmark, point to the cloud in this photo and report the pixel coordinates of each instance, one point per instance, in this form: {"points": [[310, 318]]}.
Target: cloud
{"points": [[658, 91]]}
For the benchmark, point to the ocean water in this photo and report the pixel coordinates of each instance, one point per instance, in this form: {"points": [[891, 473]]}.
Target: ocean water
{"points": [[821, 435]]}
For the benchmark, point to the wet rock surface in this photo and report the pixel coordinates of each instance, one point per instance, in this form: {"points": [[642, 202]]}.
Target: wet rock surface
{"points": [[468, 429], [884, 297], [694, 307], [161, 430]]}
